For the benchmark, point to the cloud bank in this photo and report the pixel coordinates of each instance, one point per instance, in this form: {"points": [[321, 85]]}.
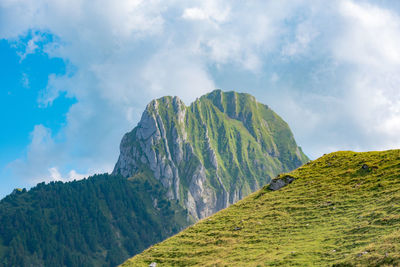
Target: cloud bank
{"points": [[331, 69]]}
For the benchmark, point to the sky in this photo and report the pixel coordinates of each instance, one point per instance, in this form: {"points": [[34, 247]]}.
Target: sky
{"points": [[76, 75]]}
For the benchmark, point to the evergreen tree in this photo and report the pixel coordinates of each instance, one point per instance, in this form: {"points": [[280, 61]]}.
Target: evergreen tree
{"points": [[99, 221]]}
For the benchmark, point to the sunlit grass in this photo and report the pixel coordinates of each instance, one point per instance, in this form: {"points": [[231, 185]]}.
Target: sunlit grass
{"points": [[335, 212]]}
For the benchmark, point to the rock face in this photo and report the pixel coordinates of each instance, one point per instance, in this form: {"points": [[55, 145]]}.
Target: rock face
{"points": [[211, 154], [280, 182]]}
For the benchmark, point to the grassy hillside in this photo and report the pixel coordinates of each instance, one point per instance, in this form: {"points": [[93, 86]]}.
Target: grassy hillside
{"points": [[99, 221], [343, 209]]}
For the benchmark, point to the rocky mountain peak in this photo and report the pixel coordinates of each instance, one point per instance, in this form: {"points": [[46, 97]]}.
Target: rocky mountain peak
{"points": [[211, 154]]}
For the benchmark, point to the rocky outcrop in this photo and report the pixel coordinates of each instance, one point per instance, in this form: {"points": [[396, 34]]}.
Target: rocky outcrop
{"points": [[280, 182], [212, 153]]}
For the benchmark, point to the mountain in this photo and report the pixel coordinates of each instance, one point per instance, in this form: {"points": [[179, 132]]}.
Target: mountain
{"points": [[179, 164], [222, 147], [342, 209], [99, 221]]}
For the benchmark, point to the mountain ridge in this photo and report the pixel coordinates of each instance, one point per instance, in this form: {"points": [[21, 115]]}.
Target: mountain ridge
{"points": [[212, 153], [178, 165]]}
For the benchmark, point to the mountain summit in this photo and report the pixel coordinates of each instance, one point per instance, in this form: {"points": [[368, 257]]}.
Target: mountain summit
{"points": [[212, 153], [178, 165]]}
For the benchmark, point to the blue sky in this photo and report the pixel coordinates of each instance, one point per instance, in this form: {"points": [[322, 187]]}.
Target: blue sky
{"points": [[76, 75], [21, 81]]}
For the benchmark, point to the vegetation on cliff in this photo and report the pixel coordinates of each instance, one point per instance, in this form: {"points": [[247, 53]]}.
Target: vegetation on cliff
{"points": [[222, 147]]}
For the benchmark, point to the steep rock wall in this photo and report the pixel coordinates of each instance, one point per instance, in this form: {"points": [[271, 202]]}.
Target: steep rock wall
{"points": [[211, 154]]}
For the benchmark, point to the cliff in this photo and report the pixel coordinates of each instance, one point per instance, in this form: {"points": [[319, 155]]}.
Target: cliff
{"points": [[212, 153]]}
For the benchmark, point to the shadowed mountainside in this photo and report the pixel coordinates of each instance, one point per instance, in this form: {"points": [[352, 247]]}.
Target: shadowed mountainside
{"points": [[99, 221]]}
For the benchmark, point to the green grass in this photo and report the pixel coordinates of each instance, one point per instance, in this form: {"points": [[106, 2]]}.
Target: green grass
{"points": [[334, 213]]}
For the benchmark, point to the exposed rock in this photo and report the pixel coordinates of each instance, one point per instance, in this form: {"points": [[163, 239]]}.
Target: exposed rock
{"points": [[203, 161], [280, 182], [203, 197], [155, 203], [362, 253]]}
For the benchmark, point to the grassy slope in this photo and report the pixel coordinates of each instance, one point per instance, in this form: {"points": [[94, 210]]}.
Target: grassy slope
{"points": [[334, 213]]}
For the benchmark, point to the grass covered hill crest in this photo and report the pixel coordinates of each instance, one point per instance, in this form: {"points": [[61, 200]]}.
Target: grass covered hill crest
{"points": [[342, 209]]}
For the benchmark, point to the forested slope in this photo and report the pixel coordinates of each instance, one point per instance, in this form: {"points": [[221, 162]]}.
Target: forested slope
{"points": [[99, 221]]}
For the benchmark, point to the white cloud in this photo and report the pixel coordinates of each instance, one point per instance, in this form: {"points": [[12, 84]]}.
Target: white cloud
{"points": [[274, 77], [31, 46], [195, 13], [305, 34], [47, 158], [329, 69], [38, 156], [370, 44], [375, 105], [185, 76], [370, 36], [213, 11], [244, 36], [55, 175], [117, 65]]}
